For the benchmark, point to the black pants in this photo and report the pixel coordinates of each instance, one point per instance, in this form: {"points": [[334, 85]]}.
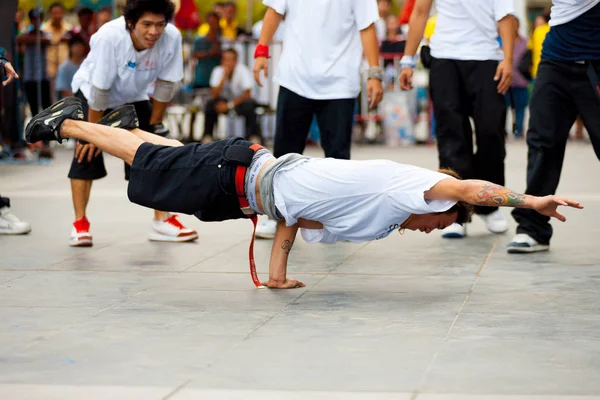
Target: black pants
{"points": [[463, 89], [4, 202], [295, 114], [562, 90], [31, 91], [95, 169], [247, 109]]}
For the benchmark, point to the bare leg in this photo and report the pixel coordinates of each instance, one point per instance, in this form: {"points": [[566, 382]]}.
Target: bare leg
{"points": [[152, 138], [117, 142], [80, 190]]}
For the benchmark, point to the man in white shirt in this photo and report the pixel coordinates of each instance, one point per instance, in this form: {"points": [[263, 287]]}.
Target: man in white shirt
{"points": [[126, 56], [470, 74], [566, 85], [319, 72], [329, 199], [231, 90]]}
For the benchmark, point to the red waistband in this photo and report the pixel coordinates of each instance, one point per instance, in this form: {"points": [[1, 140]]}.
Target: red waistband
{"points": [[240, 174]]}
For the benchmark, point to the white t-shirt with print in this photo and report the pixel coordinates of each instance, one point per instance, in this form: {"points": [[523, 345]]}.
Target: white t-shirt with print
{"points": [[114, 64], [322, 50], [241, 81], [356, 201], [468, 29]]}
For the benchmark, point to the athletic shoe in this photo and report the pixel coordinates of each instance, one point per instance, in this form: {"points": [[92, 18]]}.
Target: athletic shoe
{"points": [[46, 125], [266, 229], [80, 235], [123, 117], [454, 231], [523, 243], [171, 230], [496, 223], [11, 225]]}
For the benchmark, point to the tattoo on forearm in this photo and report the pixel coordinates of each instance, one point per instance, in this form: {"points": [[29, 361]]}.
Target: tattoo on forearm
{"points": [[496, 195], [286, 246]]}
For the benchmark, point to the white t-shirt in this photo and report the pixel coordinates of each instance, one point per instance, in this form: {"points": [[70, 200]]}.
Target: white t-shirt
{"points": [[241, 81], [468, 29], [564, 11], [277, 37], [356, 201], [322, 50], [114, 64]]}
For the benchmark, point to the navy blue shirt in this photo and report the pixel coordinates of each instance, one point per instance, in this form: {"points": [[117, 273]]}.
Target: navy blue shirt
{"points": [[577, 40]]}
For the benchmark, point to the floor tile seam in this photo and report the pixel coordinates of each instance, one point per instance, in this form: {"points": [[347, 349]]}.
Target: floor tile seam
{"points": [[445, 340], [337, 265], [252, 331], [14, 279], [177, 390]]}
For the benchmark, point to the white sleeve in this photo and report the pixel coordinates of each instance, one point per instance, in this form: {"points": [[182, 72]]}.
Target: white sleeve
{"points": [[278, 5], [104, 71], [365, 13], [410, 196], [502, 8], [172, 70], [216, 76]]}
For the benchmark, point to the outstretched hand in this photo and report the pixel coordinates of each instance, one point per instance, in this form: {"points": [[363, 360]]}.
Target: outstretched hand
{"points": [[285, 284], [548, 205]]}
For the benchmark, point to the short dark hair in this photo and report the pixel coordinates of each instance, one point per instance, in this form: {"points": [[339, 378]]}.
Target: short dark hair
{"points": [[212, 14], [463, 209], [36, 13], [76, 39], [230, 50], [134, 9], [85, 11], [55, 4]]}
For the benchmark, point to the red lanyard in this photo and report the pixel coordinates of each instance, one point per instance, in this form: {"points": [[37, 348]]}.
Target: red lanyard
{"points": [[253, 273]]}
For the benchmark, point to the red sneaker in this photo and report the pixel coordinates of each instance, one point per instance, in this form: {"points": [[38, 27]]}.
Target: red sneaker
{"points": [[171, 230], [80, 235]]}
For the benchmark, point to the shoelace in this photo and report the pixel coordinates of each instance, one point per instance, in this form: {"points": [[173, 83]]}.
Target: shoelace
{"points": [[174, 221]]}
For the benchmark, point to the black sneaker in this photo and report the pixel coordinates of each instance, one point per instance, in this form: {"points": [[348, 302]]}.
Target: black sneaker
{"points": [[123, 117], [46, 124]]}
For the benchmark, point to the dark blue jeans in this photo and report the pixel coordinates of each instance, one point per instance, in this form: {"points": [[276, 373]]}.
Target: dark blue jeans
{"points": [[295, 114], [521, 97]]}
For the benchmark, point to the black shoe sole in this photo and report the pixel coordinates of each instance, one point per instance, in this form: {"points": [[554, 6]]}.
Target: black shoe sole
{"points": [[123, 117]]}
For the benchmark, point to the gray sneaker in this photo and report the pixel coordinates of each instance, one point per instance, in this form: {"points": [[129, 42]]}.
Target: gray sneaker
{"points": [[523, 243]]}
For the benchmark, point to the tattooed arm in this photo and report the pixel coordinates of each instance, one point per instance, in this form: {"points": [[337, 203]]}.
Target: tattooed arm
{"points": [[482, 193], [282, 245]]}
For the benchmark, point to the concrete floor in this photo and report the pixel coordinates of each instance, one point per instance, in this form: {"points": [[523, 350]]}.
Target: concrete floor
{"points": [[409, 317]]}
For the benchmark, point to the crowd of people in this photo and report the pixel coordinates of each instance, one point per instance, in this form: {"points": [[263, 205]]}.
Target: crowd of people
{"points": [[478, 65]]}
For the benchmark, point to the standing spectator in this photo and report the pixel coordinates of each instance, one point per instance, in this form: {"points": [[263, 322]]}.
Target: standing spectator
{"points": [[228, 22], [231, 89], [536, 42], [383, 6], [35, 62], [392, 46], [56, 27], [20, 21], [470, 74], [9, 223], [207, 50], [127, 55], [103, 16], [85, 29], [67, 70], [567, 85], [319, 72], [520, 84]]}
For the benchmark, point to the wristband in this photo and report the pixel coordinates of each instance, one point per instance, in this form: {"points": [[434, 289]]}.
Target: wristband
{"points": [[408, 62], [375, 73], [261, 50]]}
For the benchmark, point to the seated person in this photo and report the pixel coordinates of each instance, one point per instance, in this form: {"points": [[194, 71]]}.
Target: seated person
{"points": [[231, 89], [330, 200]]}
